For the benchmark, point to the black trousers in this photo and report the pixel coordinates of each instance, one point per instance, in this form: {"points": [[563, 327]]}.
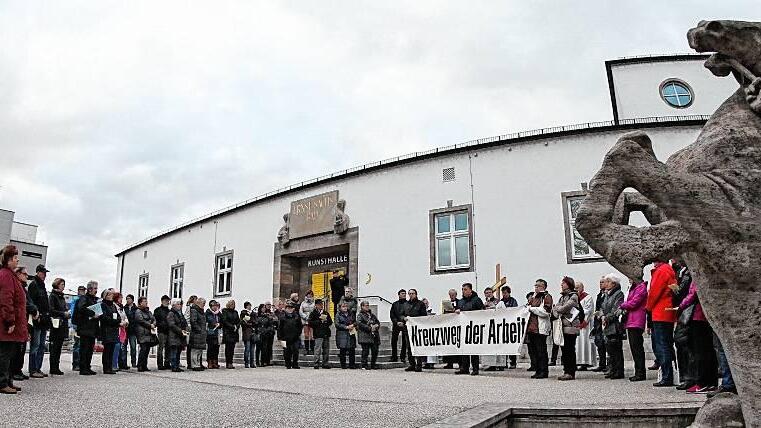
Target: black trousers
{"points": [[212, 350], [370, 349], [637, 346], [615, 350], [539, 343], [86, 349], [343, 352], [17, 362], [513, 361], [684, 357], [268, 340], [406, 348], [7, 352], [229, 352], [704, 361], [602, 353], [107, 358], [258, 352], [395, 332], [291, 353], [569, 354], [142, 357], [56, 343], [466, 361], [554, 356]]}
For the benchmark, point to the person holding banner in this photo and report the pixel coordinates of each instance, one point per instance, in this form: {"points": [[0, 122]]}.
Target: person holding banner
{"points": [[492, 362], [414, 308], [449, 306], [539, 327], [508, 301], [470, 302], [568, 310]]}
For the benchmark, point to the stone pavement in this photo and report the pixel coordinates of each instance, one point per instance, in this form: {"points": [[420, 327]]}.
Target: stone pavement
{"points": [[275, 396]]}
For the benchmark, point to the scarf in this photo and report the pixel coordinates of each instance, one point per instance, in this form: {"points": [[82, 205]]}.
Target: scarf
{"points": [[583, 295]]}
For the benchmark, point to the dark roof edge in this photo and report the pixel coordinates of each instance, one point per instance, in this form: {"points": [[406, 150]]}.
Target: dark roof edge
{"points": [[482, 143]]}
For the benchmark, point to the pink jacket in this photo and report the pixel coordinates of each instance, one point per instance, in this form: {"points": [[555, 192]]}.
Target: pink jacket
{"points": [[692, 297], [635, 306]]}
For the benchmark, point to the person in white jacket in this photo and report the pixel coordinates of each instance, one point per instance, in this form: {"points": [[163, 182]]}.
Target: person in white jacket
{"points": [[306, 308], [539, 327], [586, 351]]}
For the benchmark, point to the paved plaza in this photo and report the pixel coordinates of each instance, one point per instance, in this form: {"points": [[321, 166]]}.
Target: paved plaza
{"points": [[273, 396]]}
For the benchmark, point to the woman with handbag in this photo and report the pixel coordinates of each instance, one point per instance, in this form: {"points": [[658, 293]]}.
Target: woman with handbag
{"points": [[59, 314], [636, 317], [567, 311], [213, 328], [263, 331], [146, 323], [612, 328]]}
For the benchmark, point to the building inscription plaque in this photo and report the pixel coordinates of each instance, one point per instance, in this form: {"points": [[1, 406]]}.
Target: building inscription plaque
{"points": [[313, 215]]}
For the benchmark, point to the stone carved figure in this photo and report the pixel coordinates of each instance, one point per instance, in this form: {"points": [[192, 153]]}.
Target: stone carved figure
{"points": [[706, 201], [341, 224], [283, 235]]}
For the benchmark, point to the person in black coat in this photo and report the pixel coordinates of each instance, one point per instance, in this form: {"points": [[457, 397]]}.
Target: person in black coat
{"points": [[320, 321], [39, 296], [684, 357], [129, 310], [469, 302], [177, 332], [160, 313], [597, 335], [338, 284], [230, 331], [397, 325], [414, 308], [289, 331], [266, 328], [109, 330], [88, 327], [59, 313]]}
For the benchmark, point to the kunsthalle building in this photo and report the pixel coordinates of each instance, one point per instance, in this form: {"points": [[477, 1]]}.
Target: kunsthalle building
{"points": [[430, 220]]}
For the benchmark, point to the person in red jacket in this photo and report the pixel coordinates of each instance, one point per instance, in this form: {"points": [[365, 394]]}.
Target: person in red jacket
{"points": [[659, 301], [13, 321]]}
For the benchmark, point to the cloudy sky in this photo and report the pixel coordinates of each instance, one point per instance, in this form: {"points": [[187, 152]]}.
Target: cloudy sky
{"points": [[119, 119]]}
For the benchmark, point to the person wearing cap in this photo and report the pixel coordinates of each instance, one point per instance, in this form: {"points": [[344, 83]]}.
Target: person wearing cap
{"points": [[81, 290], [160, 313], [59, 312], [177, 332], [320, 322], [87, 327], [39, 295], [289, 330]]}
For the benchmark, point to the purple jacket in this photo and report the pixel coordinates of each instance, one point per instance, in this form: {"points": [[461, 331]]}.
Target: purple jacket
{"points": [[635, 305], [692, 296]]}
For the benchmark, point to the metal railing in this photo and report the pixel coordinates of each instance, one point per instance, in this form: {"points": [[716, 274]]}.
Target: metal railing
{"points": [[548, 132]]}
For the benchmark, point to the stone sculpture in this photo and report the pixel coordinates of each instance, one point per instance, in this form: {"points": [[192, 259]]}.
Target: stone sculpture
{"points": [[341, 224], [708, 203], [283, 235]]}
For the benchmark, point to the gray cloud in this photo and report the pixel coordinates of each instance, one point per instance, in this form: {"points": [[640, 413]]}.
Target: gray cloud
{"points": [[118, 119]]}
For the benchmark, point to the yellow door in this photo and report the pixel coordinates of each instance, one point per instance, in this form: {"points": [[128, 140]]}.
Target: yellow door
{"points": [[321, 289]]}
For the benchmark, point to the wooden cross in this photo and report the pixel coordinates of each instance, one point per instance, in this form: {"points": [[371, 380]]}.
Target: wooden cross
{"points": [[500, 280]]}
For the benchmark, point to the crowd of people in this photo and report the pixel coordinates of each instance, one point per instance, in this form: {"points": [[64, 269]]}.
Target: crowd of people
{"points": [[584, 329]]}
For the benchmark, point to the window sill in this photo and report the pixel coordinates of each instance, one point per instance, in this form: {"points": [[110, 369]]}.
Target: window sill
{"points": [[440, 271], [586, 260]]}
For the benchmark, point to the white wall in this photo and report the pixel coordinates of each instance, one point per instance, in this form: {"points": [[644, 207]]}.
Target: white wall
{"points": [[637, 88], [24, 232], [518, 221]]}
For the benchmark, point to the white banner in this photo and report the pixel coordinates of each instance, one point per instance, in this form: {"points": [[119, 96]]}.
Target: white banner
{"points": [[486, 332]]}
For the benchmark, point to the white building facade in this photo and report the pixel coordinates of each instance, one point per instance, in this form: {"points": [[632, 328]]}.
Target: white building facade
{"points": [[24, 237], [430, 220]]}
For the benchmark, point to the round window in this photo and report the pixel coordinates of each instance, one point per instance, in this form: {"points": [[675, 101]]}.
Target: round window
{"points": [[676, 93]]}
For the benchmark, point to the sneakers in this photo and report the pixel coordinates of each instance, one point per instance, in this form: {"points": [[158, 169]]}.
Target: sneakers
{"points": [[37, 375], [697, 389], [567, 377], [8, 390]]}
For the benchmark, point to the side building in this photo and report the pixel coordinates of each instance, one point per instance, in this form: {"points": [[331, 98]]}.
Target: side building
{"points": [[430, 220], [24, 237]]}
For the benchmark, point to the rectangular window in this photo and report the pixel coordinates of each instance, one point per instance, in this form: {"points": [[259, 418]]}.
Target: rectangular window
{"points": [[223, 274], [176, 275], [451, 239], [142, 285], [577, 249]]}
